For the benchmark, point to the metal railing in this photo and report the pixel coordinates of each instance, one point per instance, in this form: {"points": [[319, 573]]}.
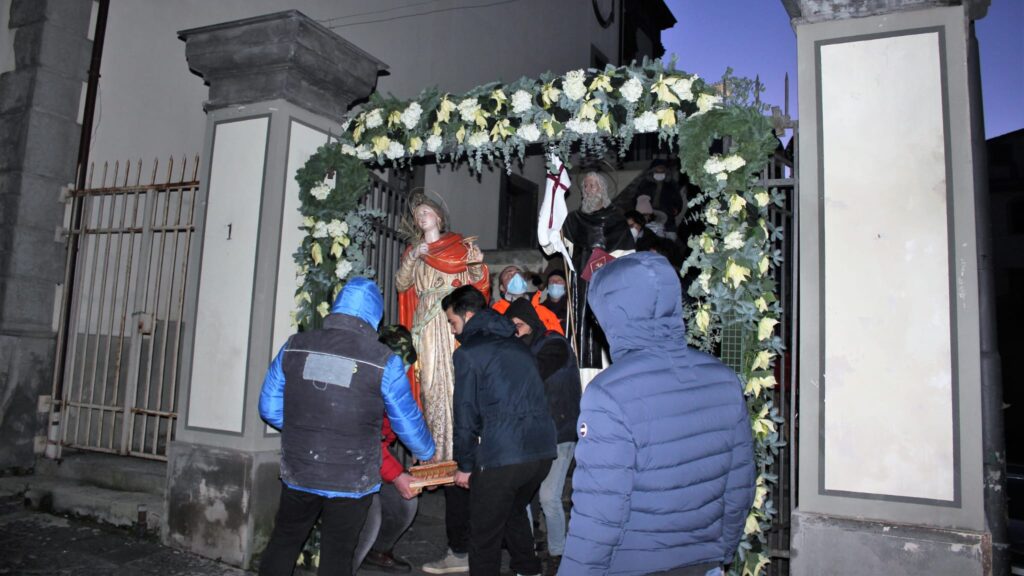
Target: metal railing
{"points": [[115, 387], [385, 249]]}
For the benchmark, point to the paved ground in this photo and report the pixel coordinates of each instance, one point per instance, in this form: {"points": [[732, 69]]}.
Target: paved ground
{"points": [[37, 543]]}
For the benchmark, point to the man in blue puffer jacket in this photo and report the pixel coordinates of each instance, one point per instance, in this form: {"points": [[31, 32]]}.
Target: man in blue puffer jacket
{"points": [[327, 391], [664, 465]]}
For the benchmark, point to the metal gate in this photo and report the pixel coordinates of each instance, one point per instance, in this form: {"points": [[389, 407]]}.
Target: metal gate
{"points": [[115, 386]]}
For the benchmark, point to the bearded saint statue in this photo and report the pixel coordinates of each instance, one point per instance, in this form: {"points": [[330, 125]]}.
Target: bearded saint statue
{"points": [[596, 224], [436, 262]]}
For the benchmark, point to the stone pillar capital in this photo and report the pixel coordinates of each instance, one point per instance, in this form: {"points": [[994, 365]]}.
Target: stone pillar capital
{"points": [[285, 55], [809, 11]]}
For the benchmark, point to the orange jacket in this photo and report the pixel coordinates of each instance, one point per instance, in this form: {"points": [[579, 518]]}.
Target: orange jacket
{"points": [[548, 317]]}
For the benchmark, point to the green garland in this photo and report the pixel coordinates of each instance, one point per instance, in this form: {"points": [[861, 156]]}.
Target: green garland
{"points": [[593, 112]]}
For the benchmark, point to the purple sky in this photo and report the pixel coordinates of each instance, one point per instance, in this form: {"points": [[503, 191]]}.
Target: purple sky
{"points": [[706, 42]]}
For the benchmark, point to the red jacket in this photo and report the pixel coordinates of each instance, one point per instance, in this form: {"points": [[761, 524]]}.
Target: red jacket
{"points": [[390, 467]]}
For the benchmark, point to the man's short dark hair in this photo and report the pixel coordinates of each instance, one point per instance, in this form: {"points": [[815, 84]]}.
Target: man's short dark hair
{"points": [[464, 299]]}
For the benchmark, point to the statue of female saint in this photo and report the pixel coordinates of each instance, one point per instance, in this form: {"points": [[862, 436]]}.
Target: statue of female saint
{"points": [[436, 262]]}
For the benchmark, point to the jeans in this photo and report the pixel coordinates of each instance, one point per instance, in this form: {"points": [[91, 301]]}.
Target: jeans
{"points": [[342, 520], [551, 498], [389, 517], [498, 500]]}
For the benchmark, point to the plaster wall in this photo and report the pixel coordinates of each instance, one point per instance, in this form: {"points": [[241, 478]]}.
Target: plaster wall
{"points": [[151, 104], [886, 270], [229, 254]]}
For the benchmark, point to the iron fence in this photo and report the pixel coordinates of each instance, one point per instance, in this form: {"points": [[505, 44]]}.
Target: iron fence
{"points": [[115, 386]]}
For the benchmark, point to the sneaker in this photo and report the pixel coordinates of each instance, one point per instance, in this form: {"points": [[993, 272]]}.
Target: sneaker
{"points": [[386, 562], [452, 563]]}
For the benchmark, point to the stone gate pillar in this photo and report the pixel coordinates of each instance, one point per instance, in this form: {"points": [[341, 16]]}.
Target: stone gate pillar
{"points": [[891, 463], [278, 85]]}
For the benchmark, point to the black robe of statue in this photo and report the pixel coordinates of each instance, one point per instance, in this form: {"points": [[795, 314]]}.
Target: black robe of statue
{"points": [[607, 229]]}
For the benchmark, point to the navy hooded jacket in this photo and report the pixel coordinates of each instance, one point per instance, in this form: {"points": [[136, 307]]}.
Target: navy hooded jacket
{"points": [[501, 414], [360, 301], [664, 466]]}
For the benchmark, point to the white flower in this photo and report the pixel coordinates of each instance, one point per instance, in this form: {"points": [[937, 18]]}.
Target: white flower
{"points": [[411, 116], [706, 102], [711, 216], [521, 101], [336, 228], [646, 122], [300, 280], [704, 279], [714, 165], [528, 132], [363, 152], [631, 90], [477, 139], [682, 88], [468, 109], [394, 150], [733, 162], [434, 143], [574, 85], [762, 198], [345, 125], [348, 150], [343, 268], [734, 240], [374, 118], [321, 190], [320, 230], [582, 126]]}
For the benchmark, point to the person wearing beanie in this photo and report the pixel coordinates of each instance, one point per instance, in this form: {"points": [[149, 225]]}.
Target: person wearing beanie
{"points": [[561, 375]]}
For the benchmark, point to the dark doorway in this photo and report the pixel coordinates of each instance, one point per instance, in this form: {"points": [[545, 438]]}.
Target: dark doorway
{"points": [[517, 212]]}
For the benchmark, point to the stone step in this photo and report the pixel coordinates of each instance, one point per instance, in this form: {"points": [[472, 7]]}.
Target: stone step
{"points": [[65, 496], [108, 471]]}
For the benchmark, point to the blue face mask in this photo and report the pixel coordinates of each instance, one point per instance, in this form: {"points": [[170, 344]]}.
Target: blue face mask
{"points": [[556, 291], [516, 287]]}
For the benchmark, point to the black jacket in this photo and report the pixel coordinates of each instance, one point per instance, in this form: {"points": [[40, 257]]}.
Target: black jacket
{"points": [[558, 369], [501, 413]]}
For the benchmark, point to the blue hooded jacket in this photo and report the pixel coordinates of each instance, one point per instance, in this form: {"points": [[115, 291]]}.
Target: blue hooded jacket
{"points": [[664, 466], [361, 299]]}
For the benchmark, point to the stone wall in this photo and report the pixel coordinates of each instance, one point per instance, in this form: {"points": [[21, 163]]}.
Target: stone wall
{"points": [[39, 136]]}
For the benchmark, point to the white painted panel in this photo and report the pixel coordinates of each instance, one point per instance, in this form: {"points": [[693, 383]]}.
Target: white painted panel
{"points": [[217, 393], [302, 143], [888, 369]]}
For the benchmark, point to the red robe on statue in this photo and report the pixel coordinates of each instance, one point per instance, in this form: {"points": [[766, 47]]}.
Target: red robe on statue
{"points": [[448, 255]]}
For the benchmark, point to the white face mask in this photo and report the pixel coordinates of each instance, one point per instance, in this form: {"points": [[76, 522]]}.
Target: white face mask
{"points": [[658, 177]]}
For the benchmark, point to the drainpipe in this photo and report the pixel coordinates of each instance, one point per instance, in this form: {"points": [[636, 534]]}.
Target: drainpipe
{"points": [[993, 440], [85, 139]]}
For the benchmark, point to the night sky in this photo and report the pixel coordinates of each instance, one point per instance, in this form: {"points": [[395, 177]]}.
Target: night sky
{"points": [[754, 37]]}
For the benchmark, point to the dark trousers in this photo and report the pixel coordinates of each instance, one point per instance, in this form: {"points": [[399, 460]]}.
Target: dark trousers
{"points": [[389, 517], [339, 530], [456, 518], [498, 500]]}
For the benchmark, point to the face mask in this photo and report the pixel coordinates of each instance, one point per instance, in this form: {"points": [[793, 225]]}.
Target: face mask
{"points": [[556, 291], [659, 177], [516, 287]]}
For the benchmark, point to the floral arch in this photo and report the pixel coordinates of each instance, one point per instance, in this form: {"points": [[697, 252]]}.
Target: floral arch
{"points": [[591, 112]]}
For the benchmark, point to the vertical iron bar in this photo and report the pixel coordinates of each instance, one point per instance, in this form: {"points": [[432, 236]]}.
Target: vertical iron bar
{"points": [[155, 307], [138, 308], [167, 319], [88, 316], [181, 305], [99, 324], [124, 315]]}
